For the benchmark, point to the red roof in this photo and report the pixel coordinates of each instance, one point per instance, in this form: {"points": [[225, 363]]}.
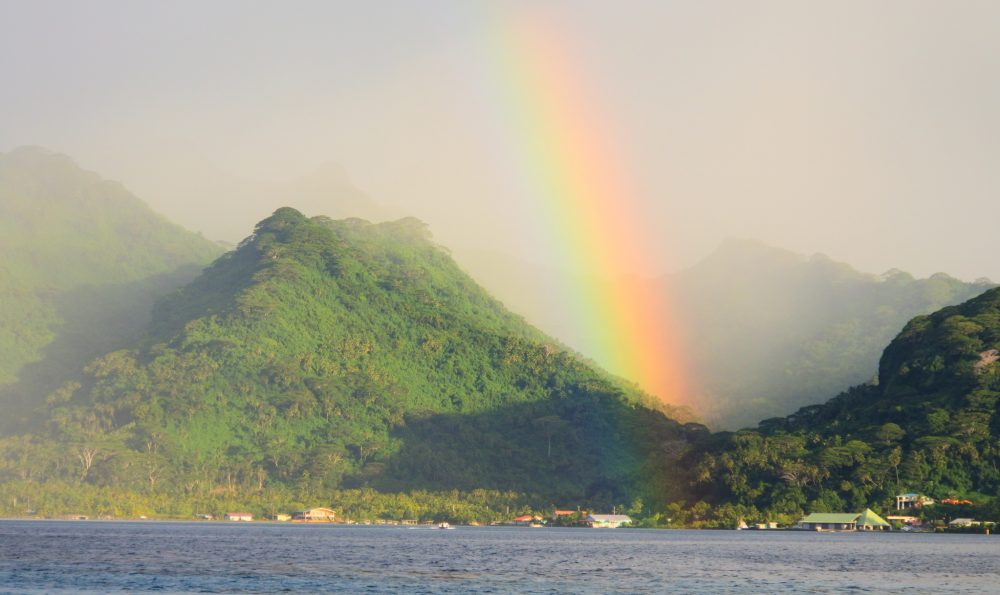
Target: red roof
{"points": [[564, 512], [526, 517]]}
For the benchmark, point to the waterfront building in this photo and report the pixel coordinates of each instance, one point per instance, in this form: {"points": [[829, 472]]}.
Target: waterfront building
{"points": [[315, 515], [607, 521], [844, 521], [526, 520]]}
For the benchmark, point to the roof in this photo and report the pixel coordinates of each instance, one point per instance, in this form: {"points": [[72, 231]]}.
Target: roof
{"points": [[562, 512], [908, 495], [831, 517], [610, 518], [526, 517], [870, 519]]}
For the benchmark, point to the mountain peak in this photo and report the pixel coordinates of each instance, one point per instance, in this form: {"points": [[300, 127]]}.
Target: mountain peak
{"points": [[33, 152], [742, 252], [33, 158]]}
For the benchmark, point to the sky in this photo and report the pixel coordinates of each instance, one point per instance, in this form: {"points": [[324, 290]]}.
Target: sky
{"points": [[868, 131]]}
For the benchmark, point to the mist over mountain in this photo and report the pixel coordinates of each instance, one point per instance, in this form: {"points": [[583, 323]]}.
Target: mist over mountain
{"points": [[81, 263], [223, 206], [765, 330], [930, 426], [770, 331]]}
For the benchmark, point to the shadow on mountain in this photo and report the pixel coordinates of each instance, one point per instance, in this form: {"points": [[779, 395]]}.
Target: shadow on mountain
{"points": [[594, 449], [92, 321]]}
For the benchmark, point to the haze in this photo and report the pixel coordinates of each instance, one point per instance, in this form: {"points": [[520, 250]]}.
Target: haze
{"points": [[866, 131]]}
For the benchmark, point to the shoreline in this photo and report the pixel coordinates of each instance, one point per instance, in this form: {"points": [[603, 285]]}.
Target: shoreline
{"points": [[268, 522]]}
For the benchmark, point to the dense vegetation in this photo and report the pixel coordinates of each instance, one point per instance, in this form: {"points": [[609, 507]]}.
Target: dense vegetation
{"points": [[324, 355], [928, 426], [81, 263], [768, 332]]}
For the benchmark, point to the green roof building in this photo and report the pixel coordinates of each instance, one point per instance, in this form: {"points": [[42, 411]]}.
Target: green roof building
{"points": [[844, 521], [869, 521]]}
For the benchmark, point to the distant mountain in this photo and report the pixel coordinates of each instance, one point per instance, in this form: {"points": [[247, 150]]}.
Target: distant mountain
{"points": [[81, 262], [324, 354], [765, 331], [769, 331], [930, 425]]}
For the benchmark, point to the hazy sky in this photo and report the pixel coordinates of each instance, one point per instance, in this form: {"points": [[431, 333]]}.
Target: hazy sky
{"points": [[867, 130]]}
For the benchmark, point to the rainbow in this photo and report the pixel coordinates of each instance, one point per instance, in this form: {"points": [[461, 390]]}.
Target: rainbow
{"points": [[557, 145]]}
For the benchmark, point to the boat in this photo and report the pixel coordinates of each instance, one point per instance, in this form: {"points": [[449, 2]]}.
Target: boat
{"points": [[742, 526], [444, 526]]}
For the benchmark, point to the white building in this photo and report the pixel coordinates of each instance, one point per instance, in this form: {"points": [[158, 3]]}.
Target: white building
{"points": [[607, 521], [315, 515], [911, 501]]}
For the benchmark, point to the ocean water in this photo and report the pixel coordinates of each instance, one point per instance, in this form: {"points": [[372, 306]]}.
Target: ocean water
{"points": [[138, 557]]}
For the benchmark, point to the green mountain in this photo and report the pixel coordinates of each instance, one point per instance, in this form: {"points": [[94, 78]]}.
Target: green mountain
{"points": [[768, 331], [326, 354], [81, 263], [930, 425]]}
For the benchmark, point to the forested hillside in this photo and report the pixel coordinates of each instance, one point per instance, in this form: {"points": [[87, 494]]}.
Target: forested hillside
{"points": [[929, 426], [81, 263], [329, 354]]}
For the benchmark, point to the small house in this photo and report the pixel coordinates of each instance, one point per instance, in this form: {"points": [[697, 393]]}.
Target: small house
{"points": [[607, 521], [239, 516], [282, 517], [910, 501], [844, 521], [869, 521], [525, 520], [766, 525], [315, 515], [829, 521]]}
